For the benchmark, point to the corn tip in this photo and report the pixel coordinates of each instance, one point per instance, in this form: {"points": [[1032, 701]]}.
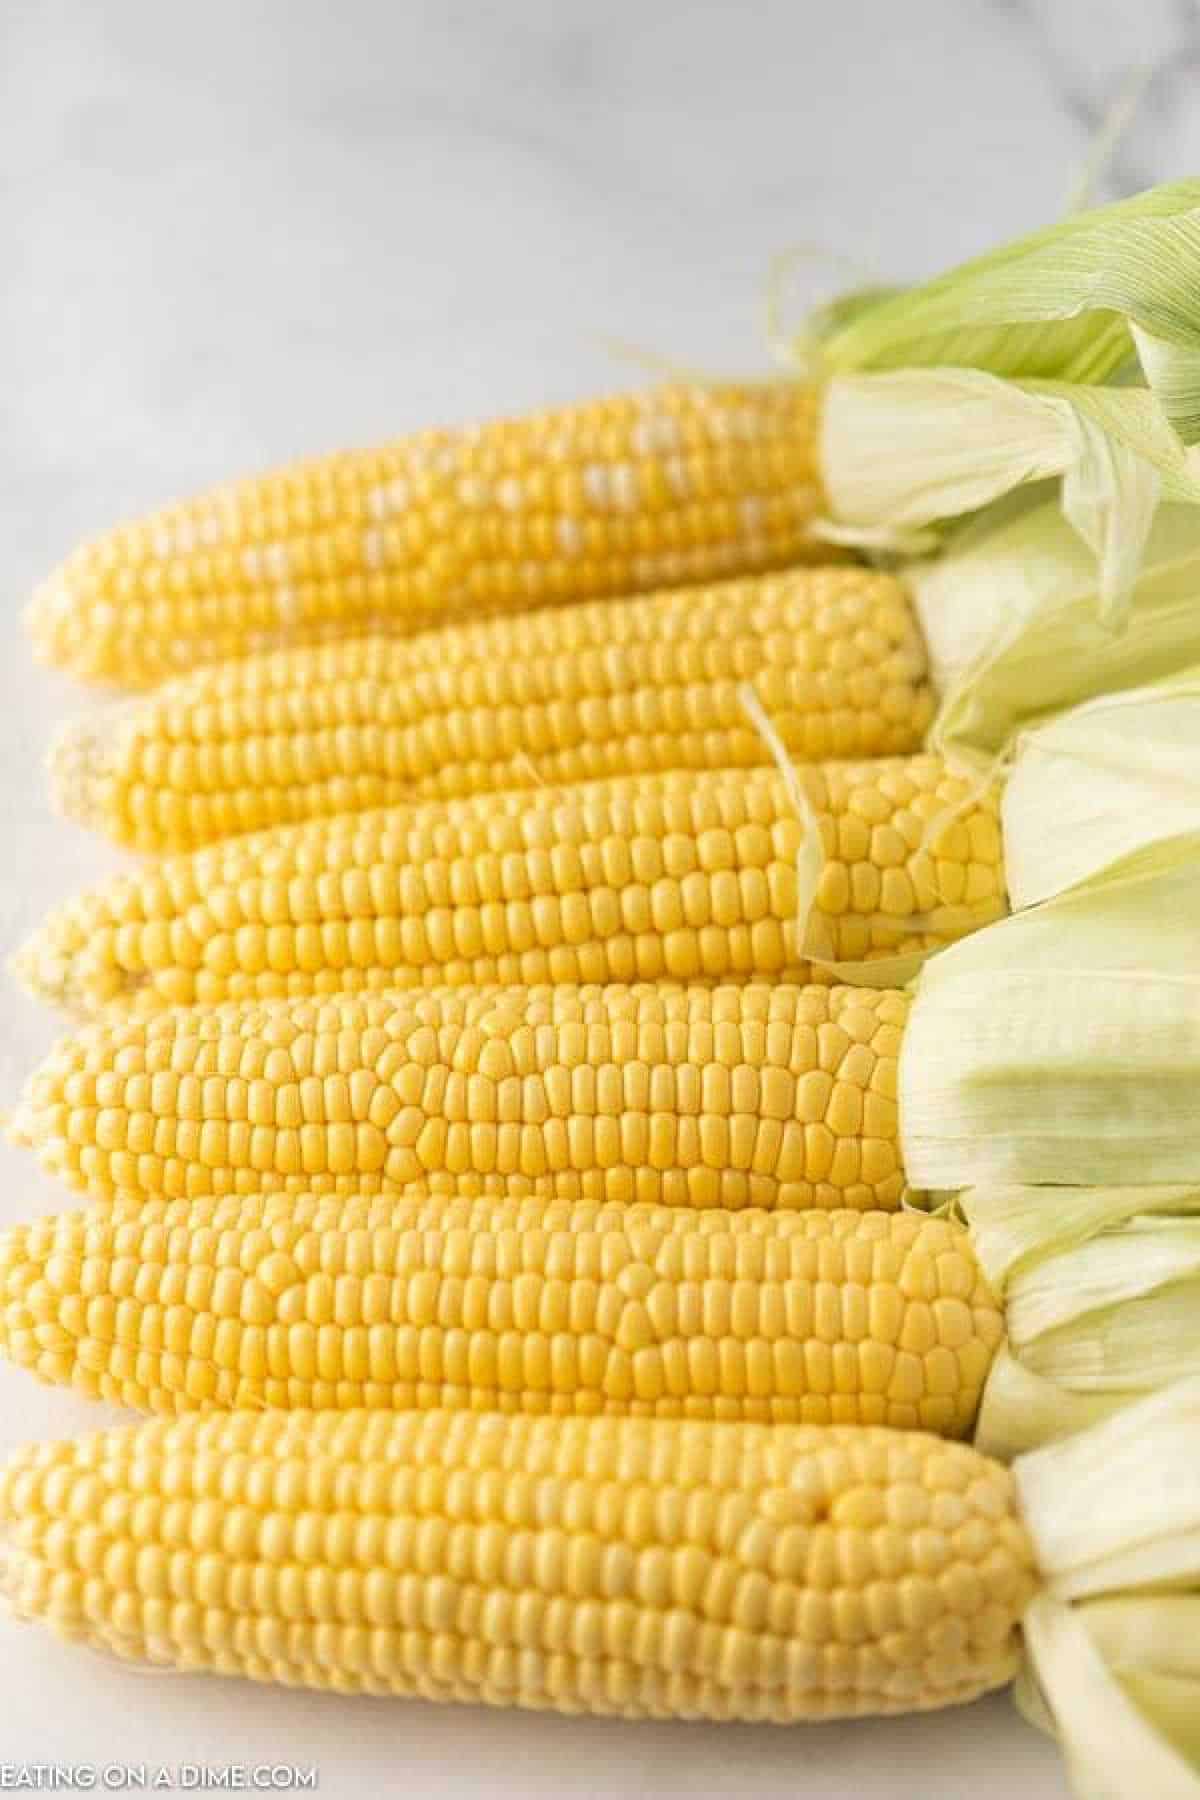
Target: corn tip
{"points": [[18, 1126], [79, 763], [27, 967], [51, 976]]}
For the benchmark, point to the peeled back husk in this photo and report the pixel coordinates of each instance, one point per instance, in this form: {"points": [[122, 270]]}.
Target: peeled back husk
{"points": [[943, 397], [1010, 613], [1062, 1045], [1102, 784], [1112, 1641], [1101, 1292]]}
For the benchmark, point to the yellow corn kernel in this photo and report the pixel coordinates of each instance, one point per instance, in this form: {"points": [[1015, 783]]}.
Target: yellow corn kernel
{"points": [[643, 1567], [564, 695], [621, 495], [679, 876], [511, 1091], [502, 1305]]}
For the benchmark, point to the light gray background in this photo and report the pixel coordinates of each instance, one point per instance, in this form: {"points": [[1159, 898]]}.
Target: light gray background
{"points": [[243, 229]]}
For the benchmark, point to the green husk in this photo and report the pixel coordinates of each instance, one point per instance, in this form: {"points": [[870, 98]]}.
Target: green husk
{"points": [[1071, 302], [1014, 1227], [1062, 1045], [1101, 1292], [1153, 1646], [1010, 617], [1112, 1660], [1101, 784], [1021, 1410], [901, 451], [1072, 354]]}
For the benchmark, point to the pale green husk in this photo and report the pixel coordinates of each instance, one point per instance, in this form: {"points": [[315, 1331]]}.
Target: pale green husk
{"points": [[1009, 615], [1062, 1045], [901, 451], [941, 398], [1071, 302], [1098, 785], [1113, 1659], [1101, 1293], [1014, 1227]]}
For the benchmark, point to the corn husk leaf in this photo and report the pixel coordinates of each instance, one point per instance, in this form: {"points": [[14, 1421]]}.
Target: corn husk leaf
{"points": [[1125, 1731], [1084, 1318], [1098, 785], [1152, 1645], [942, 397], [1062, 1045], [1101, 1292], [901, 451], [1072, 302], [1021, 1409], [1114, 1517], [1014, 1227], [1092, 1324], [1009, 613]]}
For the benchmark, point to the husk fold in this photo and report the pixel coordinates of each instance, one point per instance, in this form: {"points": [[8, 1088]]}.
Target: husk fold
{"points": [[1109, 781], [1004, 371], [1071, 301], [1009, 613], [1062, 1045], [1101, 1292], [1113, 1654]]}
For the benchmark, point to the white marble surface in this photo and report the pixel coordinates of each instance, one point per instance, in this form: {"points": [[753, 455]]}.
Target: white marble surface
{"points": [[244, 229]]}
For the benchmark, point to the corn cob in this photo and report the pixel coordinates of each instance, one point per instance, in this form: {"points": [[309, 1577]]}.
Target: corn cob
{"points": [[679, 875], [564, 695], [644, 1567], [638, 491], [754, 1095], [505, 1305]]}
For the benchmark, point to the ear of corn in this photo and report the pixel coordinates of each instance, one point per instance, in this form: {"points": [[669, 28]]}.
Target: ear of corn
{"points": [[680, 875], [567, 694], [643, 1567], [640, 491], [578, 1306], [505, 1305], [739, 1096], [632, 1566]]}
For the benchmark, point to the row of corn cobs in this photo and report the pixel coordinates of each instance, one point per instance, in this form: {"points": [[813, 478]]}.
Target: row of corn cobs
{"points": [[473, 1051]]}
